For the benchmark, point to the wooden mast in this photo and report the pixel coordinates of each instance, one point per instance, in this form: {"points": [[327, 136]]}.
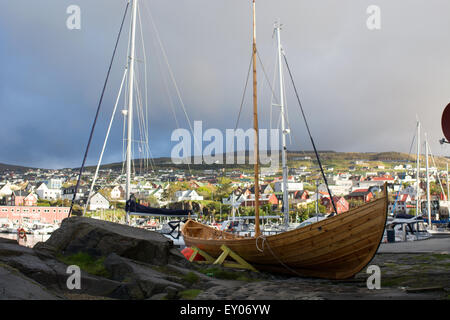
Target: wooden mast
{"points": [[255, 127]]}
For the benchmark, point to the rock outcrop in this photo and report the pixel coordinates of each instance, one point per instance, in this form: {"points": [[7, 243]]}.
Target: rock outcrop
{"points": [[101, 238], [136, 263]]}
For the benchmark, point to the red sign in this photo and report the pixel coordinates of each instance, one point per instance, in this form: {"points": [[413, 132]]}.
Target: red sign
{"points": [[446, 122]]}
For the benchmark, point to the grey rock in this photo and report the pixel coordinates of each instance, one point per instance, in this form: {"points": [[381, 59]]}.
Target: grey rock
{"points": [[15, 286], [150, 281], [100, 238], [158, 296], [12, 248], [171, 292], [51, 272], [5, 240]]}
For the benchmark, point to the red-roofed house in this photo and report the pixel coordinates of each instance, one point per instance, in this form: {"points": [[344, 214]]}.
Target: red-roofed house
{"points": [[30, 200], [360, 195], [341, 204], [249, 201], [384, 178]]}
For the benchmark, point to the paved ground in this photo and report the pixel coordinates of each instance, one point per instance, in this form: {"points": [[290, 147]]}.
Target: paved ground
{"points": [[412, 270], [432, 245]]}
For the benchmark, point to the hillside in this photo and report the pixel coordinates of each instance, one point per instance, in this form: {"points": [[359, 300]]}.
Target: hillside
{"points": [[339, 160], [11, 167]]}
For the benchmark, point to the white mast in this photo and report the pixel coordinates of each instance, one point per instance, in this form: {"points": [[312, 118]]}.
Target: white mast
{"points": [[131, 60], [428, 183], [448, 189], [418, 170], [283, 129]]}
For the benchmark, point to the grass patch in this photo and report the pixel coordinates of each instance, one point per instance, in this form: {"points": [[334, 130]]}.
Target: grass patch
{"points": [[394, 282], [433, 257], [441, 257], [189, 294], [86, 263], [191, 278], [391, 265]]}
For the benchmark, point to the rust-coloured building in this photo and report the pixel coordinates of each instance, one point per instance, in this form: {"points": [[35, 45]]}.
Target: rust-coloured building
{"points": [[18, 214]]}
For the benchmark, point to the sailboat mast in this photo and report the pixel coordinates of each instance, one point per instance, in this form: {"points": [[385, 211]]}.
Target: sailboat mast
{"points": [[428, 183], [448, 189], [418, 170], [131, 60], [255, 127], [283, 130]]}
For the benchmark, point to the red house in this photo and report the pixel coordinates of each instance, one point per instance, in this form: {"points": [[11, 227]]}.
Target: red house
{"points": [[341, 204], [384, 178], [361, 195], [17, 198], [301, 194], [263, 199], [30, 200]]}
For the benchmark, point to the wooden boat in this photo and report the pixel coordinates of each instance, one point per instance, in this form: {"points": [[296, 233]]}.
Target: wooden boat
{"points": [[335, 248]]}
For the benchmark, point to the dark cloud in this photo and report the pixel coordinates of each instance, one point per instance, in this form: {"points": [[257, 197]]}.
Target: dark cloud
{"points": [[361, 89]]}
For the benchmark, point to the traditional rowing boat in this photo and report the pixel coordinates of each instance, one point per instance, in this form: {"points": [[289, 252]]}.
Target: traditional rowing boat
{"points": [[335, 248]]}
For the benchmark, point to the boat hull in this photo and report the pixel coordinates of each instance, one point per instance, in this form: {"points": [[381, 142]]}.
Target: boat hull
{"points": [[335, 248]]}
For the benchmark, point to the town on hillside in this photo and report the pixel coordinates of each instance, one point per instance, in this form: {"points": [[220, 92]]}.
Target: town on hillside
{"points": [[45, 195]]}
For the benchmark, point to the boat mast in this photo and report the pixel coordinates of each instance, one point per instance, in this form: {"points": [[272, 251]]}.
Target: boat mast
{"points": [[448, 189], [317, 200], [428, 183], [283, 130], [418, 170], [255, 127], [131, 60]]}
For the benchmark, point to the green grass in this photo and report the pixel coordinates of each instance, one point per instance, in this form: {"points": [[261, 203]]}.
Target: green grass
{"points": [[86, 263], [189, 294], [441, 257], [396, 281], [191, 278]]}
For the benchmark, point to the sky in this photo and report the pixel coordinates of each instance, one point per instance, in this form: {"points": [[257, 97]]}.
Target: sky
{"points": [[361, 89]]}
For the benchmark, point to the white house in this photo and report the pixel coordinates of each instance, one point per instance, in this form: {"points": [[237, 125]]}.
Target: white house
{"points": [[6, 190], [291, 186], [187, 195], [98, 201], [43, 192], [157, 193], [117, 192], [336, 189]]}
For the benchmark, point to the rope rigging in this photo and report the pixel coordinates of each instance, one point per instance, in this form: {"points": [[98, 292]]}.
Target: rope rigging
{"points": [[98, 110], [310, 136]]}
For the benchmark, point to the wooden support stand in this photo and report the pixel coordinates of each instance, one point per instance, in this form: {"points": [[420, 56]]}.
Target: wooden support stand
{"points": [[227, 252]]}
